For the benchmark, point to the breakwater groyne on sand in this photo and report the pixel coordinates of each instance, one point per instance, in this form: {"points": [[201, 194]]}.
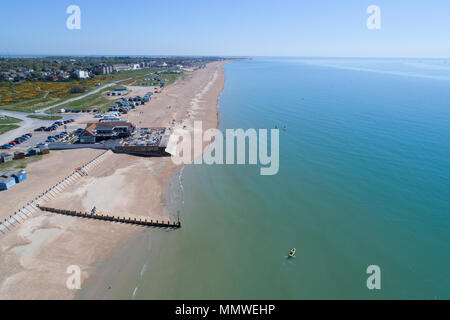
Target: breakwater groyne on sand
{"points": [[140, 222], [32, 206]]}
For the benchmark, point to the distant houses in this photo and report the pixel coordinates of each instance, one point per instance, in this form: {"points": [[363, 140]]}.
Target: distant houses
{"points": [[82, 74], [121, 67], [107, 69], [126, 67]]}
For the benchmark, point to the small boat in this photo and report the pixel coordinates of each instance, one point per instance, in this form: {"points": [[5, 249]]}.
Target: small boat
{"points": [[284, 128], [292, 252]]}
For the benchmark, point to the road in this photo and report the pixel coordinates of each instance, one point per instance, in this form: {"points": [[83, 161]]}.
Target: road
{"points": [[82, 96], [28, 125]]}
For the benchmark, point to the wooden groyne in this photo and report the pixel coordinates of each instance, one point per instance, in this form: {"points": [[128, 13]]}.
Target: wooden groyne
{"points": [[140, 222], [27, 211]]}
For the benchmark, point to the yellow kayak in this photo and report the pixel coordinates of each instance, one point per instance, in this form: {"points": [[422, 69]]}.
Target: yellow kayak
{"points": [[292, 252]]}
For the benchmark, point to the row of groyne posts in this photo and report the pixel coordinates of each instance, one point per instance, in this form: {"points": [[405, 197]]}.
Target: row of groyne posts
{"points": [[31, 207], [140, 222]]}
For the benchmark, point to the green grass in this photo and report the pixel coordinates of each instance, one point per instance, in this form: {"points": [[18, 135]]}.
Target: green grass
{"points": [[94, 101], [7, 127], [41, 102], [20, 163], [115, 88], [9, 120], [45, 117]]}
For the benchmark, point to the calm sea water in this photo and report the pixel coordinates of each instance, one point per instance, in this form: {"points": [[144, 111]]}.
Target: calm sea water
{"points": [[364, 180]]}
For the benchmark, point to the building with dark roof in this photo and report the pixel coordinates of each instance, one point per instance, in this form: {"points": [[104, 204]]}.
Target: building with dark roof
{"points": [[99, 131]]}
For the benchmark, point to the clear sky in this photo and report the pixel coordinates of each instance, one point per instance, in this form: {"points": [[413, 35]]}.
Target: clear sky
{"points": [[409, 28]]}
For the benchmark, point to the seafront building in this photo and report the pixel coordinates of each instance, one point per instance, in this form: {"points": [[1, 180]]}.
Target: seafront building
{"points": [[82, 74], [99, 131]]}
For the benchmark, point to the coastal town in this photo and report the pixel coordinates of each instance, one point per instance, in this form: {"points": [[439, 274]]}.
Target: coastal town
{"points": [[63, 151]]}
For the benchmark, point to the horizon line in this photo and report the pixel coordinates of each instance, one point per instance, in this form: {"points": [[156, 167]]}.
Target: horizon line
{"points": [[39, 55]]}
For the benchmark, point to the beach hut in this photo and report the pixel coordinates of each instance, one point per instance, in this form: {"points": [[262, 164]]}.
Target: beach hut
{"points": [[6, 174], [20, 176], [7, 183], [32, 152], [43, 148], [19, 155], [6, 157]]}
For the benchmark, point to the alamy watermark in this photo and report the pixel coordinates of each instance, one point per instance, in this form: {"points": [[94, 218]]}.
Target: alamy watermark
{"points": [[374, 280], [73, 22], [73, 282], [237, 147], [374, 20]]}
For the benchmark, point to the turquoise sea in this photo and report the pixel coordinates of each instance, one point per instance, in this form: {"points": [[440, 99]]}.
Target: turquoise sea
{"points": [[364, 180]]}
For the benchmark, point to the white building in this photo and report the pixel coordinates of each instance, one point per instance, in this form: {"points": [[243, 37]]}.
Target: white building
{"points": [[121, 67], [82, 74]]}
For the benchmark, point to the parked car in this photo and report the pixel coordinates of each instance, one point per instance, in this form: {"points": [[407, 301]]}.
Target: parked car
{"points": [[40, 129], [6, 146]]}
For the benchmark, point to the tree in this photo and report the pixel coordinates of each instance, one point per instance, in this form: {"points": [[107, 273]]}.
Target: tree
{"points": [[74, 76]]}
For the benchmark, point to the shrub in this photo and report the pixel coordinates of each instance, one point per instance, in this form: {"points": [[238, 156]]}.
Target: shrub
{"points": [[77, 89]]}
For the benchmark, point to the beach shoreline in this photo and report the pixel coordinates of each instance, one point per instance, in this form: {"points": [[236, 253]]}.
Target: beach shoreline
{"points": [[48, 243]]}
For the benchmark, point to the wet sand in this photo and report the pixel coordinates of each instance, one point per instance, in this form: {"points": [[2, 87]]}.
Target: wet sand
{"points": [[36, 255]]}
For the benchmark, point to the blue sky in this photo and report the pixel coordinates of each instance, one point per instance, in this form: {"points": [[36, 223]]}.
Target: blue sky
{"points": [[410, 28]]}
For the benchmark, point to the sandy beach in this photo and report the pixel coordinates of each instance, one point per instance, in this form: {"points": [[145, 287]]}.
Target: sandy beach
{"points": [[35, 255]]}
